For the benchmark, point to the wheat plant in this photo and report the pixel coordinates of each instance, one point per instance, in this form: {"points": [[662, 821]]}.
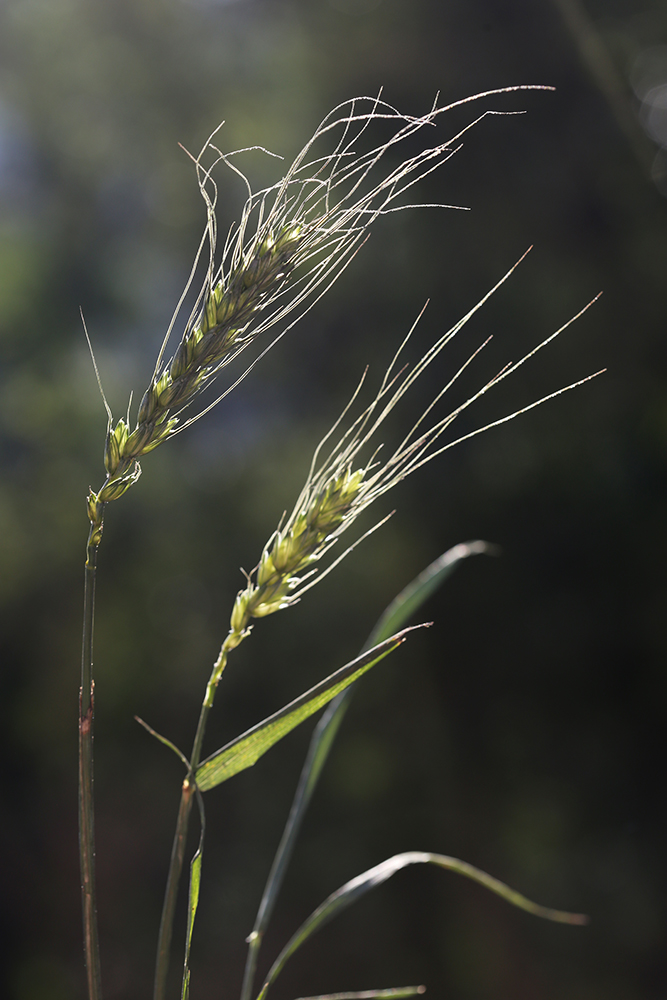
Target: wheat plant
{"points": [[290, 244]]}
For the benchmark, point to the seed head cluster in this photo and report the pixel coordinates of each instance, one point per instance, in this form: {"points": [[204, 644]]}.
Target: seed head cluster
{"points": [[293, 239], [293, 550], [334, 495], [221, 330]]}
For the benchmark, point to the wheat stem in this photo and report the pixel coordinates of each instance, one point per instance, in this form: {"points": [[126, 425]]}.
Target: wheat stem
{"points": [[86, 802], [183, 819]]}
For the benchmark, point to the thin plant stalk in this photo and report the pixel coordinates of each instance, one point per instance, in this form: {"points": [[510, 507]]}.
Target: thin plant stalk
{"points": [[86, 801], [166, 931]]}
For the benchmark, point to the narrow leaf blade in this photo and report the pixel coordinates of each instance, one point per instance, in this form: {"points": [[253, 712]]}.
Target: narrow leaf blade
{"points": [[246, 749], [193, 902], [193, 899], [396, 993], [394, 617], [368, 880], [163, 739], [420, 589]]}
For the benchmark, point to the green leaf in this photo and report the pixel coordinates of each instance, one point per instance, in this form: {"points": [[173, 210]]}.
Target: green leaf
{"points": [[397, 993], [413, 596], [246, 749], [394, 617], [360, 885], [193, 901]]}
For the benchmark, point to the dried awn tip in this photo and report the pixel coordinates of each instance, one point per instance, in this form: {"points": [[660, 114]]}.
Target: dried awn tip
{"points": [[291, 243]]}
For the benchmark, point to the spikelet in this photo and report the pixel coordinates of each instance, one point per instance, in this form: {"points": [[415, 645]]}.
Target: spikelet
{"points": [[293, 240], [293, 550]]}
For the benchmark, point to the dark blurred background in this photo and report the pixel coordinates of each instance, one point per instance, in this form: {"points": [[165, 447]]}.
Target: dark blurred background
{"points": [[525, 731]]}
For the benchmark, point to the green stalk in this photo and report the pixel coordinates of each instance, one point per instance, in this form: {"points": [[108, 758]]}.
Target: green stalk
{"points": [[86, 804], [180, 834]]}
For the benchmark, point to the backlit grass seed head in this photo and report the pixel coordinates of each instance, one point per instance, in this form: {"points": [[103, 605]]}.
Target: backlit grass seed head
{"points": [[293, 550], [292, 241], [343, 485]]}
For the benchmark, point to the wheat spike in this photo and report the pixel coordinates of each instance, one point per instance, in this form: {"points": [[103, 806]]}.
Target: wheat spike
{"points": [[292, 241], [341, 486]]}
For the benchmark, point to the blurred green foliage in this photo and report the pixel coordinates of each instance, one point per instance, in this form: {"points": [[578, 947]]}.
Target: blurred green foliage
{"points": [[525, 731]]}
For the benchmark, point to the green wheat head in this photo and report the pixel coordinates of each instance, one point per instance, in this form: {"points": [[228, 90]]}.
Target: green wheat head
{"points": [[292, 241]]}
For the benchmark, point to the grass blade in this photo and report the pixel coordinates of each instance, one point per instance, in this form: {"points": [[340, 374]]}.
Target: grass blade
{"points": [[363, 883], [397, 993], [420, 589], [393, 618], [246, 749], [193, 900], [167, 743]]}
